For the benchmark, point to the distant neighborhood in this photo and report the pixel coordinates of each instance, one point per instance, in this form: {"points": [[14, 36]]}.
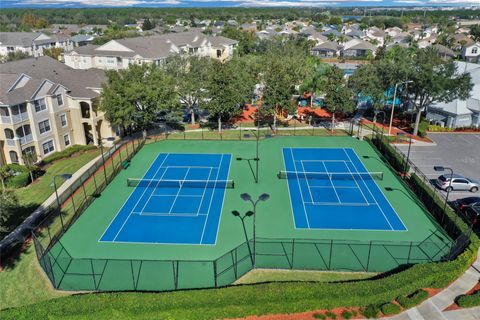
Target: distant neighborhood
{"points": [[50, 103]]}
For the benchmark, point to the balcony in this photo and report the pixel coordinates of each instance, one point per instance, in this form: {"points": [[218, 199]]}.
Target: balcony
{"points": [[23, 140], [14, 118]]}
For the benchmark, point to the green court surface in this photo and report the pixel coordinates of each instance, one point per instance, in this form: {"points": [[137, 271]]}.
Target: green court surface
{"points": [[80, 262]]}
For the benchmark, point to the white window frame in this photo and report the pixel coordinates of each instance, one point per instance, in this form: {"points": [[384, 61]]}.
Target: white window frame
{"points": [[35, 106], [61, 99], [50, 151], [49, 126], [66, 120], [65, 140]]}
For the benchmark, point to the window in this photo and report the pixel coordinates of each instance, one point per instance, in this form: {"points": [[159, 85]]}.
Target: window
{"points": [[63, 120], [48, 147], [44, 126], [474, 50], [60, 100], [29, 150], [13, 157], [66, 139], [39, 105]]}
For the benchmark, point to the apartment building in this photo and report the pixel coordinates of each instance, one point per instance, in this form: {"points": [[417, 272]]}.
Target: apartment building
{"points": [[32, 43], [119, 54], [46, 106]]}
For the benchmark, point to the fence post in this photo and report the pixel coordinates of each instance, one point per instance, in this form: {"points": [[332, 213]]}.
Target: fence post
{"points": [[368, 258], [73, 201], [215, 272], [93, 274], [409, 252], [330, 257]]}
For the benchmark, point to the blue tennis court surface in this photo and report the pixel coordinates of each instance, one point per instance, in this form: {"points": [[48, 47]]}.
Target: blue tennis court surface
{"points": [[178, 201], [331, 189]]}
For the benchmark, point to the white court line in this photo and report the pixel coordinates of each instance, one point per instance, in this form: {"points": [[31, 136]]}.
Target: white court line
{"points": [[300, 189], [308, 183], [366, 186], [154, 188], [330, 178], [346, 204], [179, 189], [338, 187], [126, 200], [205, 190], [355, 179], [161, 214], [173, 195], [211, 200], [128, 217], [199, 167]]}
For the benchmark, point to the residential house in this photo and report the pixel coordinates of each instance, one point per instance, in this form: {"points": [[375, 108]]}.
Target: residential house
{"points": [[32, 43], [120, 53], [328, 49], [444, 52], [428, 41], [471, 52], [375, 34], [357, 48], [81, 40], [46, 106], [394, 31], [459, 113], [249, 27], [313, 35]]}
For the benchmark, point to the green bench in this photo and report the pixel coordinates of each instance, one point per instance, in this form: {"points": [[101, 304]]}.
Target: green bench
{"points": [[126, 164]]}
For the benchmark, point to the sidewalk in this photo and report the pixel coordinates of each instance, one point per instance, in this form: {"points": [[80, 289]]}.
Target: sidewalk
{"points": [[432, 308]]}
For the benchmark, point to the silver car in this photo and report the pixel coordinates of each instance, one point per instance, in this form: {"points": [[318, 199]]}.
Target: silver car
{"points": [[458, 183]]}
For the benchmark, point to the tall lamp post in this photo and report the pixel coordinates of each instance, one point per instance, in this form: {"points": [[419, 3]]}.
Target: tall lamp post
{"points": [[248, 198], [242, 218], [393, 103], [449, 188]]}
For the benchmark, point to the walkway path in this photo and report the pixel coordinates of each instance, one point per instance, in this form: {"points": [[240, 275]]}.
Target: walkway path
{"points": [[432, 309]]}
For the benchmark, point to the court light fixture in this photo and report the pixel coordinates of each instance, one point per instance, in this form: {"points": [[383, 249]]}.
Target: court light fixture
{"points": [[246, 197], [388, 188], [236, 213], [439, 168], [249, 213], [264, 197]]}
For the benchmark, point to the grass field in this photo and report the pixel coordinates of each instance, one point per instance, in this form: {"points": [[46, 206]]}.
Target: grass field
{"points": [[120, 266], [266, 275]]}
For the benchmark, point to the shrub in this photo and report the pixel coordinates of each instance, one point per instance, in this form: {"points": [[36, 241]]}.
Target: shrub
{"points": [[67, 153], [395, 160], [331, 315], [413, 299], [371, 311], [390, 308], [347, 315], [18, 181], [468, 301], [319, 316]]}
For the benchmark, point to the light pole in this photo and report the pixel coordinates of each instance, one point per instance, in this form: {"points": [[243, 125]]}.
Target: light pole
{"points": [[401, 134], [64, 176], [248, 198], [242, 218], [393, 103], [255, 174], [449, 188]]}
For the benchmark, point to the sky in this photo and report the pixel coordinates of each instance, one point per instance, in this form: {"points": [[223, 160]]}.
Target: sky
{"points": [[229, 3]]}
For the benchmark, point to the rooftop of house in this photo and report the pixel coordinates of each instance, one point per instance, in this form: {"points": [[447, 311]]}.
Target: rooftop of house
{"points": [[26, 39], [79, 83]]}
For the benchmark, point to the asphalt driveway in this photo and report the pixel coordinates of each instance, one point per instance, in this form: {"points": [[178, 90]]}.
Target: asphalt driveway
{"points": [[461, 152]]}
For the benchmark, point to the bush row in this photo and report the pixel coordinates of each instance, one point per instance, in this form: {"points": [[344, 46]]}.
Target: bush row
{"points": [[413, 299], [468, 301], [67, 153]]}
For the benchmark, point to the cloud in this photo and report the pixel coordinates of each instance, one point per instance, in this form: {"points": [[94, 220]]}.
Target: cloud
{"points": [[93, 3], [409, 1]]}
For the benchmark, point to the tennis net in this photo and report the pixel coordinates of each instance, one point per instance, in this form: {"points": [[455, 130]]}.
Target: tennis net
{"points": [[162, 183], [330, 175]]}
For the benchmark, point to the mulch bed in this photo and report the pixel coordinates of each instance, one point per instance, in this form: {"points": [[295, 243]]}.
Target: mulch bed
{"points": [[455, 306]]}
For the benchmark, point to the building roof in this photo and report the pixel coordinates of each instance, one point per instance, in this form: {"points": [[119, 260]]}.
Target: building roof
{"points": [[357, 44], [329, 45], [24, 39], [79, 83], [444, 50]]}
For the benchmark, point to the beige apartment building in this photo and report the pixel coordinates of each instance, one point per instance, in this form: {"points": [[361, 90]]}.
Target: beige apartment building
{"points": [[46, 106]]}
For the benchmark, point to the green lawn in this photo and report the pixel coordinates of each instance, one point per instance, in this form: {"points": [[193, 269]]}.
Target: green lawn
{"points": [[270, 275], [32, 196], [23, 282]]}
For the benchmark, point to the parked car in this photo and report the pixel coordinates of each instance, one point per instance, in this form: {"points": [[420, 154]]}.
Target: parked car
{"points": [[470, 207], [458, 183]]}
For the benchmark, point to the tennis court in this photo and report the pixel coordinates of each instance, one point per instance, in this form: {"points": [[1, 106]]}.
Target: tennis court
{"points": [[178, 201], [330, 188]]}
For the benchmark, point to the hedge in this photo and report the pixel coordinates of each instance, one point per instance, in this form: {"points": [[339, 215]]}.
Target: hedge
{"points": [[413, 299], [19, 181], [390, 154], [67, 153], [468, 301], [390, 309]]}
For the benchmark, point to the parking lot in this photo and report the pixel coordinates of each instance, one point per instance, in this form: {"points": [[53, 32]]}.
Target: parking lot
{"points": [[461, 152]]}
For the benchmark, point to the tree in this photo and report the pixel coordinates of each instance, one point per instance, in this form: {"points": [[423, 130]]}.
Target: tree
{"points": [[54, 52], [29, 159], [8, 206], [366, 83], [229, 88], [475, 32], [435, 80], [14, 56], [139, 97], [190, 75], [316, 82], [147, 25], [338, 97], [5, 173]]}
